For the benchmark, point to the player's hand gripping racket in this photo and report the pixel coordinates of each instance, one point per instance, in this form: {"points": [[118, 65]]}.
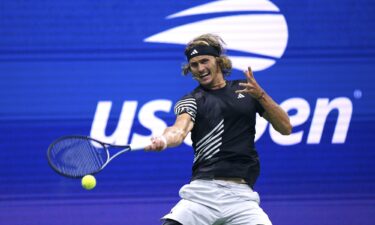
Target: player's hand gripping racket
{"points": [[77, 156]]}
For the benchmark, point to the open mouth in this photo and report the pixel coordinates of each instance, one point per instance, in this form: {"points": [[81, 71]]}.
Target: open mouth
{"points": [[204, 75]]}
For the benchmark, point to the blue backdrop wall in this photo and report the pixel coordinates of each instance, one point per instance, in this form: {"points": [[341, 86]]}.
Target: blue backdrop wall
{"points": [[112, 69]]}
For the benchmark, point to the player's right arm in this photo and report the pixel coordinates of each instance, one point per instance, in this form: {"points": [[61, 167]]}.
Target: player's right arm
{"points": [[173, 135]]}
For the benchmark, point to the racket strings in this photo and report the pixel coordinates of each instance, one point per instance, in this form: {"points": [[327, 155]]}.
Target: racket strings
{"points": [[78, 157]]}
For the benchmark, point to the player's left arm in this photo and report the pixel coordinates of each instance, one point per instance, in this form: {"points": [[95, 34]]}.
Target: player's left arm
{"points": [[273, 112]]}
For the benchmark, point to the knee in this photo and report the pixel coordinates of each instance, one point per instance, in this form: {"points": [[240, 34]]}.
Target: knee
{"points": [[171, 222]]}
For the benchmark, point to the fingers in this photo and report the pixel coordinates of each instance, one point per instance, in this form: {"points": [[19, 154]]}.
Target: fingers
{"points": [[251, 87], [249, 74], [158, 143], [250, 91], [242, 91], [247, 86]]}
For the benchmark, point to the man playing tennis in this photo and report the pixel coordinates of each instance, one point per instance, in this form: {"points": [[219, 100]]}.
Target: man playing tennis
{"points": [[220, 115]]}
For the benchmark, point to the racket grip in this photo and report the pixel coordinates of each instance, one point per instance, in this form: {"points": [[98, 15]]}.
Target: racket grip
{"points": [[139, 146]]}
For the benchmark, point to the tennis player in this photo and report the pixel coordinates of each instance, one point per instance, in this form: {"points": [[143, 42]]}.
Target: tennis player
{"points": [[220, 114]]}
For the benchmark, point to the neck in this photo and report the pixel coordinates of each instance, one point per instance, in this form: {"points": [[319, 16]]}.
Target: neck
{"points": [[218, 85]]}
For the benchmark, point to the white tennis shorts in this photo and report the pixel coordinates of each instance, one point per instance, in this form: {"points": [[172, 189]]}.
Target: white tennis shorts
{"points": [[214, 202]]}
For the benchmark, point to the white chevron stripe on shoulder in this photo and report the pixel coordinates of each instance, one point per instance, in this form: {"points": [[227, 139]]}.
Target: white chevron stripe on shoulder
{"points": [[188, 101], [188, 105]]}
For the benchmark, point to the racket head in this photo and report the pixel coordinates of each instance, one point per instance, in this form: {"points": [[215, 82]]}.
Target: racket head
{"points": [[77, 156]]}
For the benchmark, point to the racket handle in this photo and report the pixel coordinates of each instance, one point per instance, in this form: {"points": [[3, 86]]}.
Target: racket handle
{"points": [[139, 146]]}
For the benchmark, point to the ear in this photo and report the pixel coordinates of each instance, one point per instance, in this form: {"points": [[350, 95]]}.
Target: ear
{"points": [[186, 69]]}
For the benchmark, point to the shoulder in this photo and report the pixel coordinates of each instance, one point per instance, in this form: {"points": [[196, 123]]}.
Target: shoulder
{"points": [[193, 94], [187, 104], [188, 99]]}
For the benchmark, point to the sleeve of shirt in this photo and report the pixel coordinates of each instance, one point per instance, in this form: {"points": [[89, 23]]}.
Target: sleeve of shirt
{"points": [[259, 108], [188, 105]]}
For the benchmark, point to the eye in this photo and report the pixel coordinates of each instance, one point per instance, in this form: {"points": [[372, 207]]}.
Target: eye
{"points": [[204, 61], [193, 65]]}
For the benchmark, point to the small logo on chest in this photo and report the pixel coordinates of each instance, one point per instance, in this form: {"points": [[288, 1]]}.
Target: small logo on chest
{"points": [[240, 96]]}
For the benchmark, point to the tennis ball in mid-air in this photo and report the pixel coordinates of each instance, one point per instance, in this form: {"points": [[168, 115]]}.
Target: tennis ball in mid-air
{"points": [[88, 182]]}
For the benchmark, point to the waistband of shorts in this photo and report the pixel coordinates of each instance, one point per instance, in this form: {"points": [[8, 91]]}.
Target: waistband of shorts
{"points": [[235, 180], [213, 183]]}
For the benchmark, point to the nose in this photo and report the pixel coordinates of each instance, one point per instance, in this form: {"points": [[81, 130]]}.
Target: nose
{"points": [[201, 67]]}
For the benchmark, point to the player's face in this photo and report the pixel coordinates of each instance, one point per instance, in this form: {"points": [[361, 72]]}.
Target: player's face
{"points": [[206, 70]]}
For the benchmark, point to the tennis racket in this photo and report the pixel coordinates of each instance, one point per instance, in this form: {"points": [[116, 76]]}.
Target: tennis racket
{"points": [[77, 156]]}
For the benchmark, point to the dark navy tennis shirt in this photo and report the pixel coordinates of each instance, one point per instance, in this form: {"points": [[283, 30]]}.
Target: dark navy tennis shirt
{"points": [[223, 133]]}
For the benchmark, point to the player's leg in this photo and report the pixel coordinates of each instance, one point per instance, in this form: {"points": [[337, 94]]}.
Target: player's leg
{"points": [[242, 206], [199, 204], [248, 213], [191, 213]]}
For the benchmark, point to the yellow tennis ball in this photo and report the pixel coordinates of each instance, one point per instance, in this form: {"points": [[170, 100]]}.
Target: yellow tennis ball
{"points": [[88, 182]]}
